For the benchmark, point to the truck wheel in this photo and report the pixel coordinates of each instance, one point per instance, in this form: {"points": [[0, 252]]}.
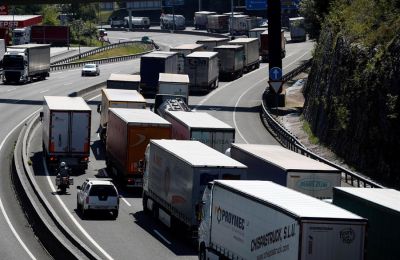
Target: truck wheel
{"points": [[202, 254], [144, 202]]}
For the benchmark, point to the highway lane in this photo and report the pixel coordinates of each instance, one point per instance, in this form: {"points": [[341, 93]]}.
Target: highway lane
{"points": [[233, 102]]}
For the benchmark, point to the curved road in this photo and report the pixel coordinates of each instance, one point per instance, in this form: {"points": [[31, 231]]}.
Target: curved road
{"points": [[133, 235]]}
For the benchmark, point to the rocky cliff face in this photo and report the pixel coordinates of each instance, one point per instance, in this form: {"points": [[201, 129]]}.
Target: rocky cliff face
{"points": [[353, 104]]}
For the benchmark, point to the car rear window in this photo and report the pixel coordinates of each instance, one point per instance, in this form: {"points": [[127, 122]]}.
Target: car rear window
{"points": [[102, 190]]}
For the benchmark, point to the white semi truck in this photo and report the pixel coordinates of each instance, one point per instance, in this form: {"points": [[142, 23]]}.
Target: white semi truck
{"points": [[264, 220], [176, 174], [282, 166], [22, 63], [66, 125]]}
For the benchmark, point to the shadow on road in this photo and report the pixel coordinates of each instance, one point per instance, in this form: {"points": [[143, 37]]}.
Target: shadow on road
{"points": [[171, 239], [254, 109]]}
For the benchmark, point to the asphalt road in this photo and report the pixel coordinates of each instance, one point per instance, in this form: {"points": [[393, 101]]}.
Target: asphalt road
{"points": [[132, 236]]}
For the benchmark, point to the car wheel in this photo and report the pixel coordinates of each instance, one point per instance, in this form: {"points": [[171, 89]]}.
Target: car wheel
{"points": [[83, 212], [115, 213]]}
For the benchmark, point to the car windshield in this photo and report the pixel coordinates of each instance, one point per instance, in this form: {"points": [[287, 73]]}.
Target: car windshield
{"points": [[89, 66], [102, 190]]}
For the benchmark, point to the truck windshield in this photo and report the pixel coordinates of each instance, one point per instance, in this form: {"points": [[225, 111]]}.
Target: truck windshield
{"points": [[18, 34], [13, 62]]}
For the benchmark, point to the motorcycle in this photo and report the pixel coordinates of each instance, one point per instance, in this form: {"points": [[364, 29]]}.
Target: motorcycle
{"points": [[63, 182]]}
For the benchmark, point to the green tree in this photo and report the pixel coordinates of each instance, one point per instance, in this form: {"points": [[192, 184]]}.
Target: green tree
{"points": [[50, 15], [314, 12]]}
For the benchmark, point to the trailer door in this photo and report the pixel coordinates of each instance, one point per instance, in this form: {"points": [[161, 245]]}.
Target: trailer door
{"points": [[331, 241], [59, 132], [80, 138]]}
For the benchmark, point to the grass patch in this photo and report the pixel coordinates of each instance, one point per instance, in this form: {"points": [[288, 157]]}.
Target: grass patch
{"points": [[307, 129], [116, 52]]}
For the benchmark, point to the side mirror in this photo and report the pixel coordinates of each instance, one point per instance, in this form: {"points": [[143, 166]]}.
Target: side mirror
{"points": [[99, 108]]}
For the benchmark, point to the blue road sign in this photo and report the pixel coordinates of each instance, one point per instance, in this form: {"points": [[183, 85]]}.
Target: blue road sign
{"points": [[256, 4], [275, 74], [170, 3]]}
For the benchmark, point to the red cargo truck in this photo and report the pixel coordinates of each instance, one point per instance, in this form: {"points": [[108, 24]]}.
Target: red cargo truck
{"points": [[50, 34], [264, 46]]}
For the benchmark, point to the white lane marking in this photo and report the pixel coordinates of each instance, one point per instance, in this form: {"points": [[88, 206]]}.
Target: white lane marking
{"points": [[54, 73], [11, 89], [162, 237], [15, 232], [43, 91], [255, 85], [3, 211], [66, 84], [127, 203], [71, 216]]}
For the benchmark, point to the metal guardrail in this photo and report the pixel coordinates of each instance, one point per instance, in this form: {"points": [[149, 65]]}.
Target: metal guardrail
{"points": [[289, 141], [97, 61], [94, 51]]}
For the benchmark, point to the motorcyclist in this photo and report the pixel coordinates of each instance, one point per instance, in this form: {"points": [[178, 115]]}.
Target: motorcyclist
{"points": [[64, 171], [63, 174]]}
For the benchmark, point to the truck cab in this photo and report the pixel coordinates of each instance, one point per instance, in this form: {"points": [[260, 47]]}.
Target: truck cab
{"points": [[21, 35]]}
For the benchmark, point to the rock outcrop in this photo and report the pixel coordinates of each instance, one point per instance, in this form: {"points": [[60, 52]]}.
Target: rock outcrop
{"points": [[353, 104]]}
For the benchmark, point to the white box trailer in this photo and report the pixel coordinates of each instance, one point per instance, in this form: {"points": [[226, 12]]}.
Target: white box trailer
{"points": [[200, 19], [124, 81], [287, 168], [210, 43], [176, 175], [202, 127], [238, 24], [297, 29], [231, 61], [174, 84], [251, 52], [66, 125], [183, 50], [264, 220], [117, 98], [203, 71]]}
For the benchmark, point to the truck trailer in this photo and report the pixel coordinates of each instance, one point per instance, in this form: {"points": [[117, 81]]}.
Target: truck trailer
{"points": [[124, 81], [202, 127], [251, 52], [174, 84], [218, 23], [382, 209], [203, 71], [117, 98], [66, 123], [297, 29], [210, 43], [264, 220], [154, 63], [200, 19], [128, 133], [176, 175], [22, 63], [231, 61], [55, 35], [172, 22], [183, 50], [264, 46], [287, 168]]}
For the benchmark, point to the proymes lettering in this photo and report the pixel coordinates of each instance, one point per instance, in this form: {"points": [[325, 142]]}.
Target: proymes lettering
{"points": [[230, 218]]}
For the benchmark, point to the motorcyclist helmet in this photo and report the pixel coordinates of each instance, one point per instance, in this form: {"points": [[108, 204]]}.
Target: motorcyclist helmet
{"points": [[63, 164]]}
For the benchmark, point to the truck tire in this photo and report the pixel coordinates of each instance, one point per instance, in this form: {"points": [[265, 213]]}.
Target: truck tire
{"points": [[144, 203], [202, 253]]}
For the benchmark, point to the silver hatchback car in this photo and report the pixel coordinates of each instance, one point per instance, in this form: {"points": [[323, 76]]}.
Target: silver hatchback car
{"points": [[98, 195], [90, 69]]}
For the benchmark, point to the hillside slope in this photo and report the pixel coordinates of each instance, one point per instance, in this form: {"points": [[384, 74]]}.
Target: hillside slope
{"points": [[352, 94]]}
